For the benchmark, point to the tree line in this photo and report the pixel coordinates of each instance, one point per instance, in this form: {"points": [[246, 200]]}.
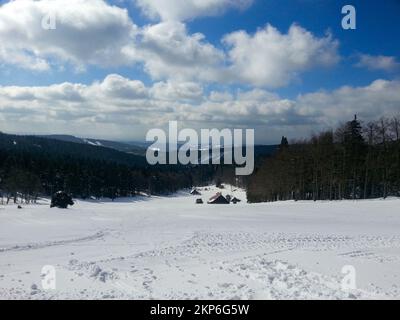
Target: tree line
{"points": [[31, 167], [355, 161]]}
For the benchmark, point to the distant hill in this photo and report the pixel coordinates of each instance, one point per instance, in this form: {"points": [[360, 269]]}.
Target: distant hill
{"points": [[33, 165], [120, 146], [139, 148], [128, 153], [69, 146]]}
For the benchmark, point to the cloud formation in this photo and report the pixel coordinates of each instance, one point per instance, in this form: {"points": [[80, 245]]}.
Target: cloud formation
{"points": [[378, 63], [87, 32], [271, 58], [168, 51], [185, 70], [180, 10], [126, 104], [96, 33]]}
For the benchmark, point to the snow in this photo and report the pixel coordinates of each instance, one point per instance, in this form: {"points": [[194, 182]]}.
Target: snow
{"points": [[172, 248], [93, 143]]}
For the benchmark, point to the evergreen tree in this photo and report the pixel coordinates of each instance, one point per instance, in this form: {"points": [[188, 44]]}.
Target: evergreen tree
{"points": [[351, 163]]}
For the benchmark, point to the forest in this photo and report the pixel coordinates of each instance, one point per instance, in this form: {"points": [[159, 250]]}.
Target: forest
{"points": [[355, 161], [31, 167]]}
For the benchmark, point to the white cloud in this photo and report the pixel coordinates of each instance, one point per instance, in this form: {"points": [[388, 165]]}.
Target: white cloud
{"points": [[87, 32], [116, 86], [168, 51], [23, 60], [380, 98], [270, 58], [177, 91], [216, 96], [118, 106], [380, 63], [180, 10], [96, 33], [266, 59], [93, 32]]}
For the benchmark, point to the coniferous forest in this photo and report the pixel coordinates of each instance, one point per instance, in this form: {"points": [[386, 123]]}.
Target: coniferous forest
{"points": [[31, 167], [355, 161]]}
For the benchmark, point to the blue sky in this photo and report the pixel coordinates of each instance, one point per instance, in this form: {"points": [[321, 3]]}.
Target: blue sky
{"points": [[376, 33], [362, 60]]}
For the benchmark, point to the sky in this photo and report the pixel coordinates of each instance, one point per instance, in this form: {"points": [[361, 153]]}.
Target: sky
{"points": [[115, 69]]}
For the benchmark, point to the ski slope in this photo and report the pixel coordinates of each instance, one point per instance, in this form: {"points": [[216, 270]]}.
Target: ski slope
{"points": [[172, 248]]}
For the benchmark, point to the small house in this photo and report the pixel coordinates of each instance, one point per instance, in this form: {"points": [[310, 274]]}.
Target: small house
{"points": [[195, 192], [199, 201], [218, 199]]}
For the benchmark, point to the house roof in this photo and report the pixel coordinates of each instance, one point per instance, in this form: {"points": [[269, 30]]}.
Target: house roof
{"points": [[195, 192], [218, 197]]}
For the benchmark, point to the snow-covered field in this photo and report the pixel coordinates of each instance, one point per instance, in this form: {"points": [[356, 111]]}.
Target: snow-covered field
{"points": [[172, 248]]}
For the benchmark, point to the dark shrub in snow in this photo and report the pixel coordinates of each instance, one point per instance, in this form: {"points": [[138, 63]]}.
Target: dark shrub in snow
{"points": [[61, 200]]}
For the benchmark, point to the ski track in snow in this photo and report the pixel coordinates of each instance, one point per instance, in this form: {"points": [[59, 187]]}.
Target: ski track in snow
{"points": [[205, 258], [33, 246]]}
